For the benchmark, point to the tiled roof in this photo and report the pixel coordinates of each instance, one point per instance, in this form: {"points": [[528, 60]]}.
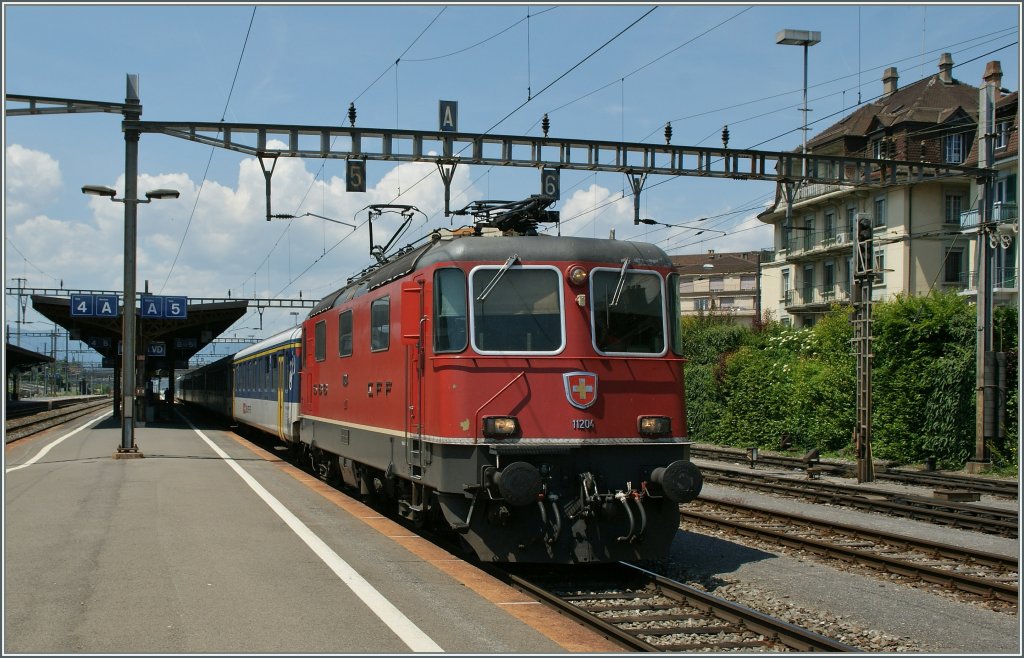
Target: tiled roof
{"points": [[1006, 107], [925, 101], [744, 262]]}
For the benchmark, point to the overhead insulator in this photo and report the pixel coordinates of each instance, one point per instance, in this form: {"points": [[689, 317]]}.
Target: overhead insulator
{"points": [[725, 136], [545, 124], [668, 132], [352, 114]]}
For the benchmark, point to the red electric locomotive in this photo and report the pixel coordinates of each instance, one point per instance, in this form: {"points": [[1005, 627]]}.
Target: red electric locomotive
{"points": [[525, 390]]}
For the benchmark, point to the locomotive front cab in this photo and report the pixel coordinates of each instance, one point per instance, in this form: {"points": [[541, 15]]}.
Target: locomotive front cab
{"points": [[561, 385]]}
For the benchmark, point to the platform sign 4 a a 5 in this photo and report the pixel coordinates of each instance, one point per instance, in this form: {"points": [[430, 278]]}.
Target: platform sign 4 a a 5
{"points": [[157, 306]]}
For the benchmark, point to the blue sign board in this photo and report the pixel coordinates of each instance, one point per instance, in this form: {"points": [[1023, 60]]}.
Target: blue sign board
{"points": [[156, 349], [176, 308], [106, 306], [157, 306], [152, 306], [83, 306], [185, 343]]}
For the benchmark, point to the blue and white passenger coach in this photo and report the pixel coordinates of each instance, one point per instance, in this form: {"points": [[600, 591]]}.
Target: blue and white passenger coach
{"points": [[266, 385]]}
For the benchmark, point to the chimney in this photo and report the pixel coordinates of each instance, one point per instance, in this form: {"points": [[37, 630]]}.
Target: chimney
{"points": [[994, 76], [946, 69], [889, 79]]}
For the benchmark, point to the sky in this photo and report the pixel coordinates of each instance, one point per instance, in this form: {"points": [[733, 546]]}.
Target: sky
{"points": [[616, 72]]}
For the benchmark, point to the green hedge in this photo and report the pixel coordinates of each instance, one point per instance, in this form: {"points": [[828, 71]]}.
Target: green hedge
{"points": [[751, 388]]}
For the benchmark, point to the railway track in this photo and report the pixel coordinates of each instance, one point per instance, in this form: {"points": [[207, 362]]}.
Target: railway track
{"points": [[968, 571], [990, 520], [982, 485], [647, 612], [27, 425]]}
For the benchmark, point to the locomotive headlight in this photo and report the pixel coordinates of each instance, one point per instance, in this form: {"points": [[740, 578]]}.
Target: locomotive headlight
{"points": [[500, 425], [577, 275], [654, 425]]}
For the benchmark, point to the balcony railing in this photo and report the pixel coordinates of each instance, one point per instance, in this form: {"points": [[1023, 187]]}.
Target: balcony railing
{"points": [[1003, 212], [1003, 278], [808, 242], [824, 295]]}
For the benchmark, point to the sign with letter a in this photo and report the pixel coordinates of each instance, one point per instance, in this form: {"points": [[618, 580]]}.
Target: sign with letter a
{"points": [[448, 116]]}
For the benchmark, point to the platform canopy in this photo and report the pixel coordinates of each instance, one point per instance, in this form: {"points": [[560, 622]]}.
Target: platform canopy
{"points": [[168, 343]]}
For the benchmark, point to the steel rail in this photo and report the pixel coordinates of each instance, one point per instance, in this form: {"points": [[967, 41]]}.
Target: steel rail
{"points": [[967, 583], [985, 519]]}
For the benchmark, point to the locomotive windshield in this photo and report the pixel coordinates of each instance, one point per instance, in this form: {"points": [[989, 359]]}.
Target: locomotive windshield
{"points": [[634, 322], [522, 312]]}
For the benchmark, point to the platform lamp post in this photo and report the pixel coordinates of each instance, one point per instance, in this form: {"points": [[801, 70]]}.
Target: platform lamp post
{"points": [[805, 38], [127, 448]]}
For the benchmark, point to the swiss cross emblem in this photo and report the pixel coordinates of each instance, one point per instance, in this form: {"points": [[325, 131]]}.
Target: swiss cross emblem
{"points": [[580, 388]]}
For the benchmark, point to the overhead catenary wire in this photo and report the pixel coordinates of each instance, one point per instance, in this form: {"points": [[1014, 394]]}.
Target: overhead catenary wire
{"points": [[209, 160]]}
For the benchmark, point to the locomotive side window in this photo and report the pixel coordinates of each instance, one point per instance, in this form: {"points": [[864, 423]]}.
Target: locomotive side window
{"points": [[517, 310], [634, 322], [449, 310], [345, 333], [320, 340], [380, 324]]}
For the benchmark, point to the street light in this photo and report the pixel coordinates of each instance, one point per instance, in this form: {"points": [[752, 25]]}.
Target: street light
{"points": [[805, 38], [130, 201]]}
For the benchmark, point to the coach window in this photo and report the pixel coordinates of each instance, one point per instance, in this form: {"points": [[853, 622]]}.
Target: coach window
{"points": [[517, 310], [628, 312], [345, 333], [320, 340], [449, 310], [380, 324]]}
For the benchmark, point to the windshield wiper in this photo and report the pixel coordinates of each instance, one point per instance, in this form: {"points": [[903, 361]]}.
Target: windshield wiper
{"points": [[504, 268], [622, 280]]}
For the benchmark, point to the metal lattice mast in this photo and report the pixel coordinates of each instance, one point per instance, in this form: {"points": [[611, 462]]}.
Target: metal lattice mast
{"points": [[862, 282]]}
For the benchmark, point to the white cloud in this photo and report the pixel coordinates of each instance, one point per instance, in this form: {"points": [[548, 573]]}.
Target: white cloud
{"points": [[31, 178], [594, 211]]}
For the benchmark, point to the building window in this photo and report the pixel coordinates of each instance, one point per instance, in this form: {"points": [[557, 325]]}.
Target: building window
{"points": [[717, 283], [726, 302], [954, 148], [808, 232], [785, 280], [1003, 134], [701, 303], [851, 220], [879, 267], [830, 224], [954, 266], [685, 285], [747, 282], [880, 212], [877, 150], [808, 284], [829, 283], [380, 324], [954, 206]]}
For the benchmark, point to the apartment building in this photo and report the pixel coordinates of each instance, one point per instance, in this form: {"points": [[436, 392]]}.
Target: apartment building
{"points": [[922, 231], [722, 283]]}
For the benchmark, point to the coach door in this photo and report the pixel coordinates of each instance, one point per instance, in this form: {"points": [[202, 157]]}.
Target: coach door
{"points": [[413, 323], [281, 383]]}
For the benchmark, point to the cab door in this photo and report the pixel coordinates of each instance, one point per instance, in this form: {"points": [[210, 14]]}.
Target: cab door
{"points": [[413, 329]]}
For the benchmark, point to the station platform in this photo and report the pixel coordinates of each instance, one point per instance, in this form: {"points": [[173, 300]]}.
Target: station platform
{"points": [[207, 545]]}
